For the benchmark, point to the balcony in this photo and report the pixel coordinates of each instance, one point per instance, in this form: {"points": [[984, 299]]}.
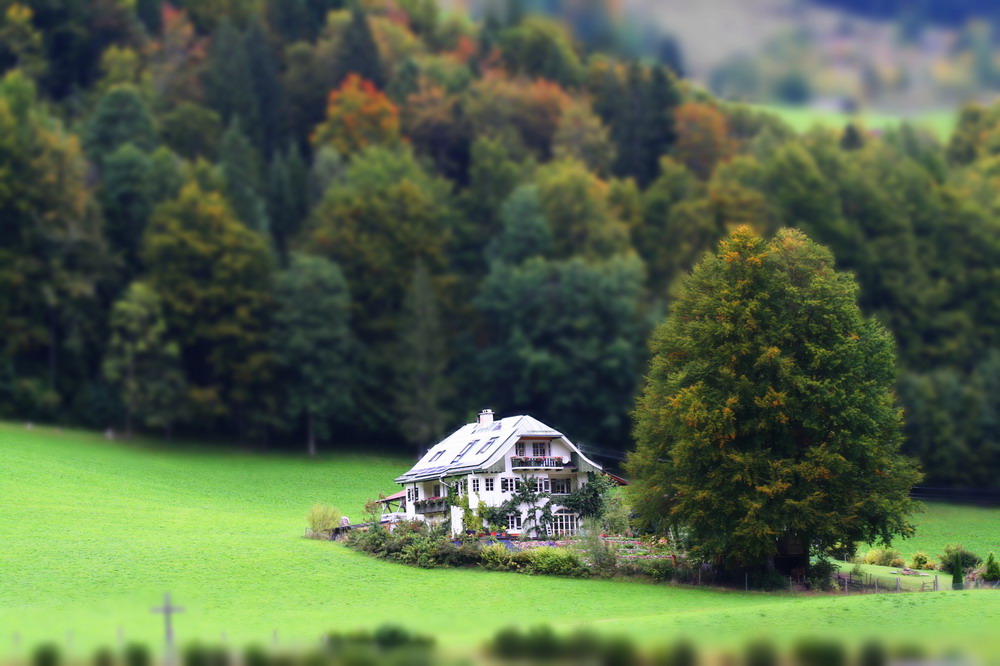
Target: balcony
{"points": [[536, 462], [430, 505]]}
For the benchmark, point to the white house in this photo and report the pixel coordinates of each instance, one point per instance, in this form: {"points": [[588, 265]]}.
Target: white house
{"points": [[487, 460]]}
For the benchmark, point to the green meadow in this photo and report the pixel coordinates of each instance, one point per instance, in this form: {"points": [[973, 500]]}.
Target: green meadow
{"points": [[938, 123], [94, 532]]}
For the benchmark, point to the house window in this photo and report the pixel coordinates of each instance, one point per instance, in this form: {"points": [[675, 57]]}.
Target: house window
{"points": [[513, 521], [412, 494], [561, 486], [465, 449], [509, 485], [489, 485], [475, 485], [437, 490], [519, 449], [437, 455], [540, 449], [487, 445], [564, 522]]}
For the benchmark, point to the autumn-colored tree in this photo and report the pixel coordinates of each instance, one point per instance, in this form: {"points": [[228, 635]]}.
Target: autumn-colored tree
{"points": [[213, 276], [582, 136], [517, 109], [575, 204], [702, 137], [53, 256], [176, 58], [358, 115], [435, 125], [758, 425], [21, 41]]}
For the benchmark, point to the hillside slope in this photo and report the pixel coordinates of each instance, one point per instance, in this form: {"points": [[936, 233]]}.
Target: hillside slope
{"points": [[94, 532]]}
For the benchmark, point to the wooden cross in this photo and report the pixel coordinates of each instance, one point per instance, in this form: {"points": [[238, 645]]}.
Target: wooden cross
{"points": [[168, 610]]}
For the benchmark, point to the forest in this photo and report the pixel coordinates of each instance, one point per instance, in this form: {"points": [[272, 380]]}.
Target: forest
{"points": [[291, 223]]}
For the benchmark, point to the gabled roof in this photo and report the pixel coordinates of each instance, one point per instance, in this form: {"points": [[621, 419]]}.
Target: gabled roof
{"points": [[478, 445]]}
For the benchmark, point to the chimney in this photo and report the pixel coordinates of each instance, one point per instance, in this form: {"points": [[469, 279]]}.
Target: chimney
{"points": [[485, 416]]}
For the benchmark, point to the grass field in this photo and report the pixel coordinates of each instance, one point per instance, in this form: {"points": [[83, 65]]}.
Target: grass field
{"points": [[92, 533], [938, 123]]}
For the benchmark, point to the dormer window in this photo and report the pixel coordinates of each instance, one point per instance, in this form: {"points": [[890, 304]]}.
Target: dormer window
{"points": [[465, 449], [540, 449], [519, 449]]}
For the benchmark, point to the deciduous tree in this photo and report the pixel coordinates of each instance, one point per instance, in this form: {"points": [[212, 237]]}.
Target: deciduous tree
{"points": [[768, 411]]}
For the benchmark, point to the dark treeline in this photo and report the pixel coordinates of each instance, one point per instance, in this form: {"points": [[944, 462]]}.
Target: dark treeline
{"points": [[299, 220]]}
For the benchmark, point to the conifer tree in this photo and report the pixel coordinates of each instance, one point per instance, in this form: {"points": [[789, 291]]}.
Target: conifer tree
{"points": [[121, 117], [358, 53], [422, 388], [241, 169], [228, 79], [268, 94], [313, 345]]}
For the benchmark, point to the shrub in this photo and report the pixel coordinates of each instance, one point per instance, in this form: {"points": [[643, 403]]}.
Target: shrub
{"points": [[767, 581], [554, 562], [957, 553], [46, 654], [820, 576], [873, 653], [681, 653], [496, 557], [137, 654], [601, 556], [884, 557], [323, 518], [992, 572], [761, 653], [920, 560], [815, 652], [662, 571], [104, 657]]}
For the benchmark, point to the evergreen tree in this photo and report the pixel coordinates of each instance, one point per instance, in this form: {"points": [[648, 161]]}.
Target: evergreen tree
{"points": [[143, 361], [525, 232], [228, 80], [422, 382], [312, 345], [121, 117], [358, 53], [127, 199], [758, 423], [240, 167], [268, 103]]}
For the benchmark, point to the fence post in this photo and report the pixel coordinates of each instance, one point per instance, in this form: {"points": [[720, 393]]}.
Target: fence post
{"points": [[936, 583], [876, 584], [897, 584]]}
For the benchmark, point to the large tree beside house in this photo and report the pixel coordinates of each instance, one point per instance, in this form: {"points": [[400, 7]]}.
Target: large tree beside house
{"points": [[768, 426]]}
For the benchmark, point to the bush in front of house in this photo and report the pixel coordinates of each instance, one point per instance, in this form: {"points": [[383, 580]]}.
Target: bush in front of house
{"points": [[555, 562], [322, 518], [884, 557]]}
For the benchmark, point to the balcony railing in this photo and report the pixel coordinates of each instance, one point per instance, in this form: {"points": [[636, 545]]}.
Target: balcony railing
{"points": [[536, 462], [431, 505]]}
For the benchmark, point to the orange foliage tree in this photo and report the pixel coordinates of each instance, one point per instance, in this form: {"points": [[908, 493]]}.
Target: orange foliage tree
{"points": [[358, 115], [497, 104], [702, 137]]}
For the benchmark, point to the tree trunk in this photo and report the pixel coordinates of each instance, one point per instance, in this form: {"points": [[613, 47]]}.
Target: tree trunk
{"points": [[312, 435]]}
